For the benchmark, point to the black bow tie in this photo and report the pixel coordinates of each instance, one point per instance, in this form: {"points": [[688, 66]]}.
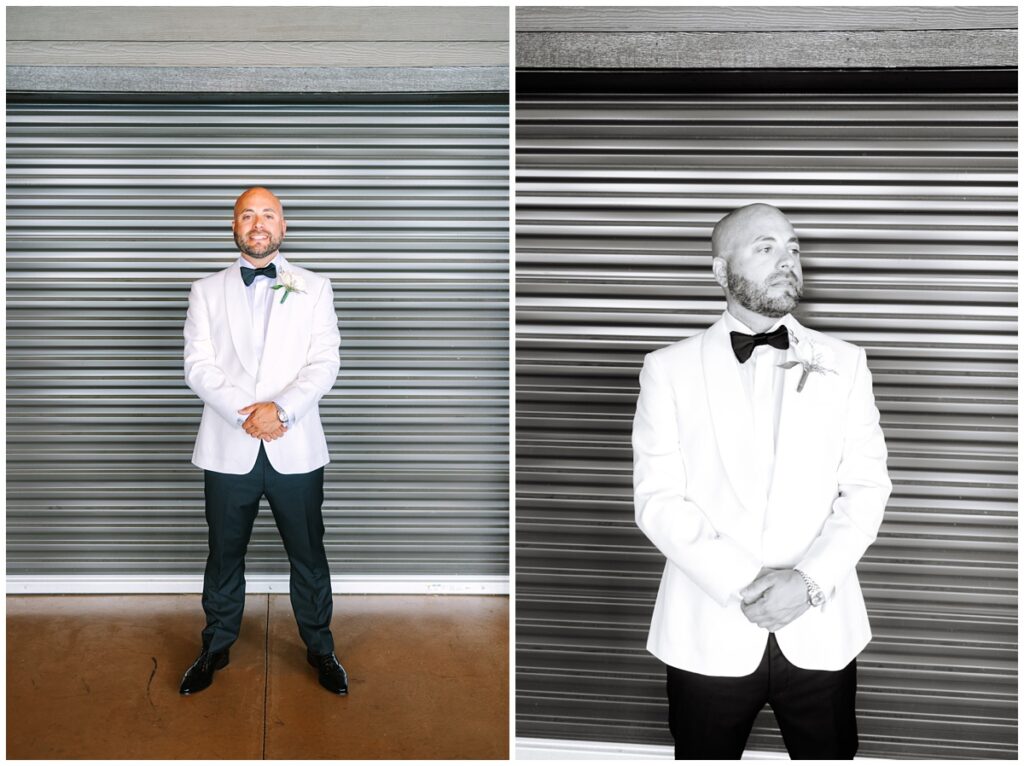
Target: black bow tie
{"points": [[743, 345], [248, 275]]}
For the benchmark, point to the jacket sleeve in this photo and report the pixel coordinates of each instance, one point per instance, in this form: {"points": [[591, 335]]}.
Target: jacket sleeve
{"points": [[317, 376], [677, 526], [864, 489], [202, 374]]}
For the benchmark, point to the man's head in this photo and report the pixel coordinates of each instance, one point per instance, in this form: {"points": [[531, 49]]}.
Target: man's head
{"points": [[757, 262], [259, 225]]}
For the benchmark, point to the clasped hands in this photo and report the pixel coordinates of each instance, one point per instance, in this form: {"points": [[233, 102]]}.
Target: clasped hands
{"points": [[263, 422], [775, 598]]}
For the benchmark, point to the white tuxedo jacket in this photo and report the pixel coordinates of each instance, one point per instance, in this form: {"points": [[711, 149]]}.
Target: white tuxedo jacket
{"points": [[692, 442], [299, 365]]}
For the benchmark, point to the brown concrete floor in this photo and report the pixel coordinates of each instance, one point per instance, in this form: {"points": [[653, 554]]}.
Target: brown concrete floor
{"points": [[97, 677]]}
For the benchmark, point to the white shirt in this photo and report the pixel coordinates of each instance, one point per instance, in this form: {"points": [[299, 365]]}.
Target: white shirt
{"points": [[261, 300], [763, 354], [762, 381]]}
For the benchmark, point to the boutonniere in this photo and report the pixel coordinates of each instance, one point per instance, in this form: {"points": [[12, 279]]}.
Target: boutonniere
{"points": [[812, 358], [290, 283]]}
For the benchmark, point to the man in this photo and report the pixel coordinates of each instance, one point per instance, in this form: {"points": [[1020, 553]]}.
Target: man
{"points": [[261, 349], [760, 474]]}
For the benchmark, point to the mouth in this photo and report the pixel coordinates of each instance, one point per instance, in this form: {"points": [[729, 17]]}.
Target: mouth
{"points": [[784, 279]]}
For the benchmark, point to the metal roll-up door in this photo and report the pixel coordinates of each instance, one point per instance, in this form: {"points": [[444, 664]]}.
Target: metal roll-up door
{"points": [[905, 205], [114, 209]]}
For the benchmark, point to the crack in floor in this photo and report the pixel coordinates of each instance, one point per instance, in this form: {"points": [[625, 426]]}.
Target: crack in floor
{"points": [[149, 683], [266, 677]]}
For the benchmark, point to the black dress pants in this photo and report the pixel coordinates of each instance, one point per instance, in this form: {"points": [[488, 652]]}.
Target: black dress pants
{"points": [[711, 716], [232, 502]]}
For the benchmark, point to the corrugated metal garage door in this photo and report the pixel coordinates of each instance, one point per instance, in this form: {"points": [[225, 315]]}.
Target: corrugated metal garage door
{"points": [[906, 210], [113, 209]]}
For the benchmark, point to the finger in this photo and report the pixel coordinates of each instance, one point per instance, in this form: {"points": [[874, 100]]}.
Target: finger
{"points": [[766, 614], [781, 621], [757, 616], [774, 616], [754, 591], [763, 582], [246, 410]]}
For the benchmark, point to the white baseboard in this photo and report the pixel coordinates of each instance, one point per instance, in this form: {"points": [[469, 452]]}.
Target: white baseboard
{"points": [[534, 749], [369, 584], [528, 749]]}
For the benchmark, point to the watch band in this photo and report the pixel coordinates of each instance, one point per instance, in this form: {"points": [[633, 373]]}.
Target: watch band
{"points": [[815, 595]]}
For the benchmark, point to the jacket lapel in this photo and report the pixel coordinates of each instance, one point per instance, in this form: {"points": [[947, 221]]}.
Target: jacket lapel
{"points": [[239, 318], [731, 416]]}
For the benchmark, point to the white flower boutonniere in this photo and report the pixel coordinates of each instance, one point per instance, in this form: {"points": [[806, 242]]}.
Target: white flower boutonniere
{"points": [[290, 283], [812, 358]]}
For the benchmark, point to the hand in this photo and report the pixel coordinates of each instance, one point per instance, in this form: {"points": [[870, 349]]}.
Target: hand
{"points": [[262, 422], [775, 598]]}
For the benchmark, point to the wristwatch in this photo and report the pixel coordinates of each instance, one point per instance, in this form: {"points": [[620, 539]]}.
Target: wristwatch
{"points": [[281, 414], [815, 595]]}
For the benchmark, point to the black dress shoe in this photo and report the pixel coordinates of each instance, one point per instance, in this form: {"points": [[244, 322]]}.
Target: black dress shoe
{"points": [[332, 675], [200, 675]]}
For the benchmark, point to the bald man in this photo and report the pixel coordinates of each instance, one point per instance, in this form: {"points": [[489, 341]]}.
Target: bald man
{"points": [[261, 349], [759, 472]]}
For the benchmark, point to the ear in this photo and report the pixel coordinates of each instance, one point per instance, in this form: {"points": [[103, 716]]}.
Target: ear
{"points": [[284, 226], [718, 268]]}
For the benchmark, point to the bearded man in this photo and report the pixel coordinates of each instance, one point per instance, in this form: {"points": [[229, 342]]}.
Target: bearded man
{"points": [[261, 349], [760, 474]]}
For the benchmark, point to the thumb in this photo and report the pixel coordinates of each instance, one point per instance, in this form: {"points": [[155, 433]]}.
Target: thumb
{"points": [[247, 410], [753, 592]]}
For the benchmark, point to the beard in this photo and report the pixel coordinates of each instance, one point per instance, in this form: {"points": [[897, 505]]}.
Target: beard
{"points": [[258, 251], [756, 298]]}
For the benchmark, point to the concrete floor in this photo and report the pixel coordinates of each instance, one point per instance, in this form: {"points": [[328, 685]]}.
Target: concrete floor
{"points": [[97, 677]]}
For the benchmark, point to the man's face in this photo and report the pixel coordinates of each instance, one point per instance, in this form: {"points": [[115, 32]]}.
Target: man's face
{"points": [[259, 224], [762, 263]]}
